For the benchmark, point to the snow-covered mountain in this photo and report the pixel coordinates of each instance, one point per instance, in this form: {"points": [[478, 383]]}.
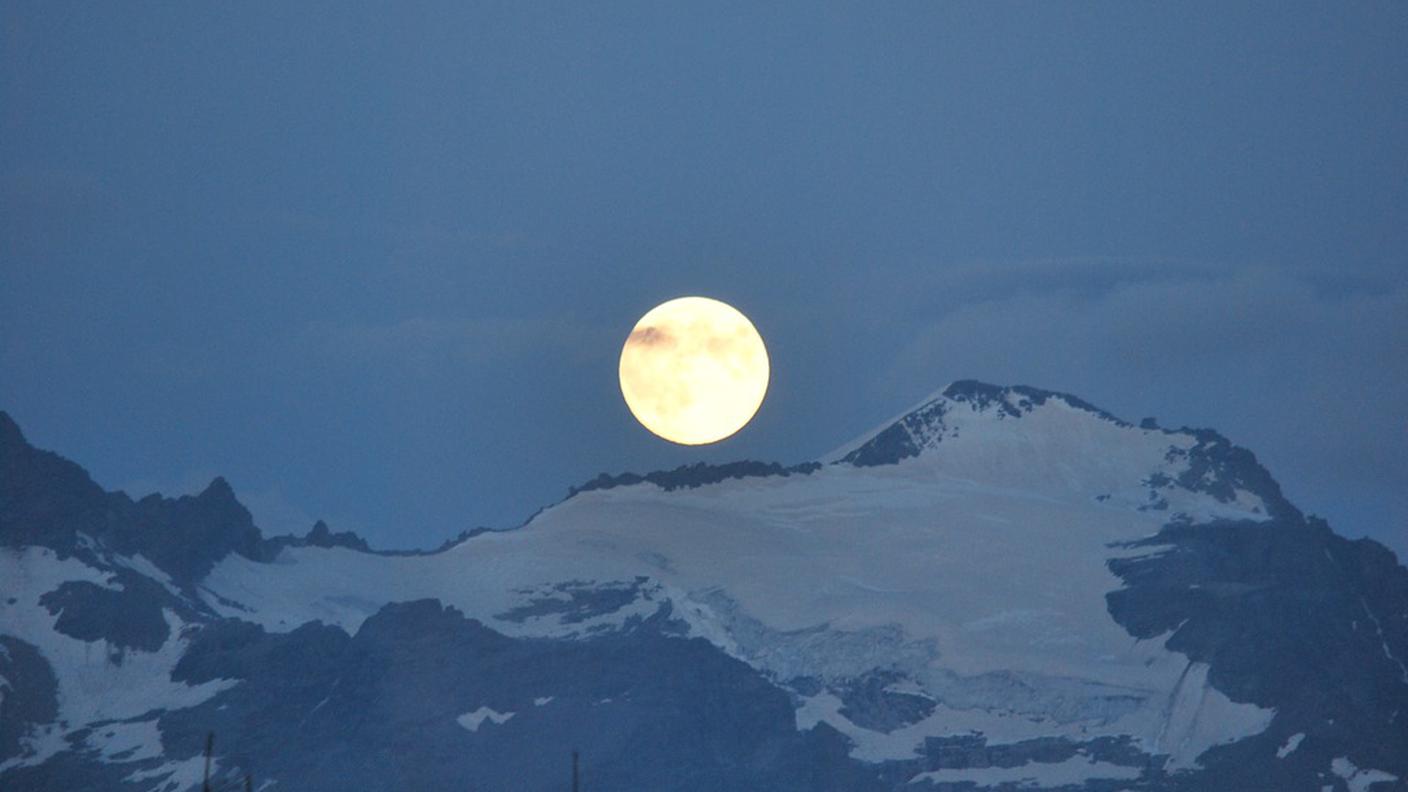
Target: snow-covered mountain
{"points": [[1001, 587]]}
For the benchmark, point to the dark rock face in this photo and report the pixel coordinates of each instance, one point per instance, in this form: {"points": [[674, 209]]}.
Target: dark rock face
{"points": [[646, 710], [575, 601], [982, 394], [185, 536], [975, 752], [895, 442], [124, 617], [29, 694], [1217, 467], [47, 501], [1290, 616], [696, 475], [870, 704], [320, 536]]}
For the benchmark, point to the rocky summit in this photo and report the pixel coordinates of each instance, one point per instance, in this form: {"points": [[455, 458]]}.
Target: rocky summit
{"points": [[1002, 588]]}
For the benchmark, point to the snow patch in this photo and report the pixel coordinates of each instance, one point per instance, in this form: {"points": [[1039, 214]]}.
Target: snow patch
{"points": [[1358, 780], [1199, 716], [181, 774], [141, 565], [1291, 744], [473, 720], [126, 742], [37, 746]]}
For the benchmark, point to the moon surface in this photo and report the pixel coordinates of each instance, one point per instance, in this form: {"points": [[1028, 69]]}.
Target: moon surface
{"points": [[694, 370]]}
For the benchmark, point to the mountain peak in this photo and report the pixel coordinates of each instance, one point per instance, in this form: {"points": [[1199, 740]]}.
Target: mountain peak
{"points": [[49, 501], [1017, 435], [921, 427], [323, 536], [1015, 400], [218, 491], [10, 434]]}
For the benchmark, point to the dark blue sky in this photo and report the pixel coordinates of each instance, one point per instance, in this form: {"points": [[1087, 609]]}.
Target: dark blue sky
{"points": [[375, 263]]}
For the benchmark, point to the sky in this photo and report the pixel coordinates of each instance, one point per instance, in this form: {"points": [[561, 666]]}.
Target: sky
{"points": [[374, 263]]}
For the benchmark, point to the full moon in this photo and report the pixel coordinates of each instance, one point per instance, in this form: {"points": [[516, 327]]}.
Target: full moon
{"points": [[694, 370]]}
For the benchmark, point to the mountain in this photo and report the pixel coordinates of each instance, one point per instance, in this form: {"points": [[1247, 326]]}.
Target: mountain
{"points": [[1004, 587]]}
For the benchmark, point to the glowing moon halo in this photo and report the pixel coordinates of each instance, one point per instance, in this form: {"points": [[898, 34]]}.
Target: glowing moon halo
{"points": [[694, 370]]}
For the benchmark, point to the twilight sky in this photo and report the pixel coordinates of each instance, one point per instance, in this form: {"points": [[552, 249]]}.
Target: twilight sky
{"points": [[374, 263]]}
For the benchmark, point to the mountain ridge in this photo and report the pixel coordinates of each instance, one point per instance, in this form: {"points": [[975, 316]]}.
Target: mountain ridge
{"points": [[887, 444], [955, 617]]}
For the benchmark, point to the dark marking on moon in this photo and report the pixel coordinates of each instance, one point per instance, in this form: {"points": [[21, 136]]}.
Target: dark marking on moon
{"points": [[650, 336]]}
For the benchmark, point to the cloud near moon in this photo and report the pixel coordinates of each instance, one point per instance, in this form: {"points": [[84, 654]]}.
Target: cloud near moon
{"points": [[694, 370]]}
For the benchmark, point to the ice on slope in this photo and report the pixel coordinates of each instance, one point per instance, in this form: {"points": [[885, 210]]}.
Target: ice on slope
{"points": [[976, 570]]}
